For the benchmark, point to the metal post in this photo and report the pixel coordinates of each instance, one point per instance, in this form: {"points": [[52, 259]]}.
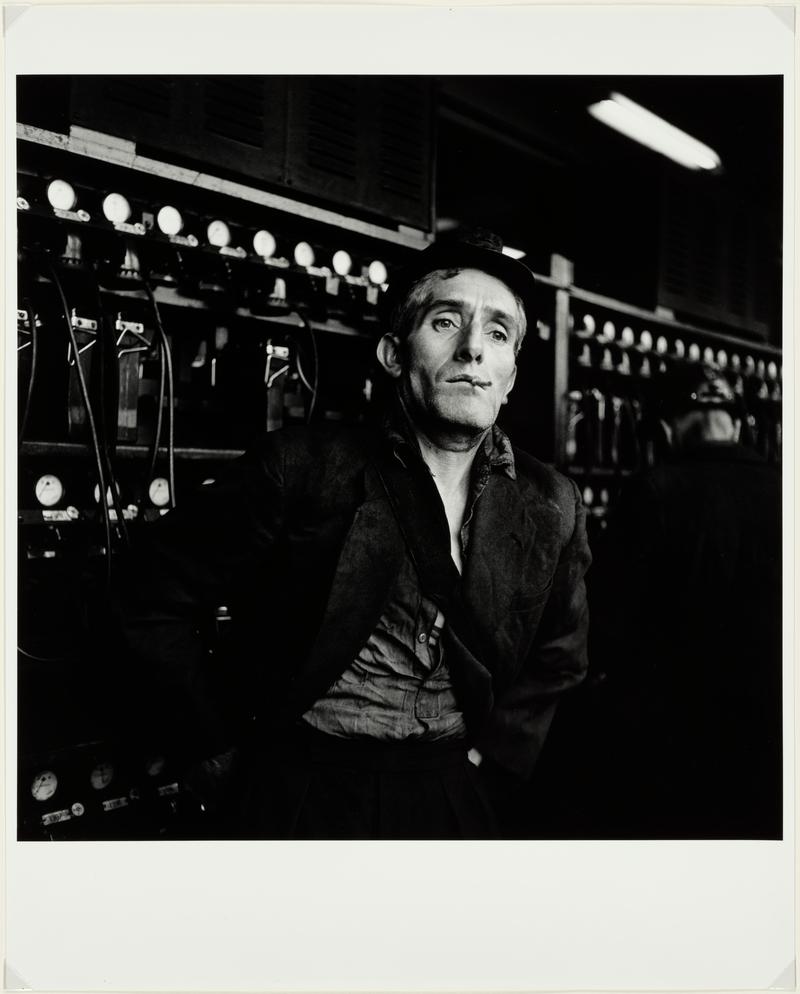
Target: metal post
{"points": [[563, 272]]}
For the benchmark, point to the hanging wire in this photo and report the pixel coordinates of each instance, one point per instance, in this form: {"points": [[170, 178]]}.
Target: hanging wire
{"points": [[315, 388], [104, 433], [162, 372], [167, 357], [89, 417], [46, 659], [32, 376]]}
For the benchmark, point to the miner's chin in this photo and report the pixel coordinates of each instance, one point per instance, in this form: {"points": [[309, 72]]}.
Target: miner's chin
{"points": [[470, 418]]}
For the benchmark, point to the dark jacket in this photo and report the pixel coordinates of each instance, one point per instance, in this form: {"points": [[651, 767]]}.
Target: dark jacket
{"points": [[301, 544]]}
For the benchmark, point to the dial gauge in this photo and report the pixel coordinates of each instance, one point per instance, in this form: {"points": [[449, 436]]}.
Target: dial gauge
{"points": [[102, 775], [44, 785], [49, 490], [158, 492], [155, 765]]}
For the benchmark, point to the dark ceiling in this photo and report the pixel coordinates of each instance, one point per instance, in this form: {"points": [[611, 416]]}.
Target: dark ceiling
{"points": [[522, 154]]}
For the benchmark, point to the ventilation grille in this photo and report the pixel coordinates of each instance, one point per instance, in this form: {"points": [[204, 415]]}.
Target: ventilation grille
{"points": [[332, 136], [403, 145], [357, 142], [149, 95], [707, 266], [234, 108]]}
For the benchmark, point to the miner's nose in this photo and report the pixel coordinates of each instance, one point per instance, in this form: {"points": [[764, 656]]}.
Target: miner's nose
{"points": [[470, 342]]}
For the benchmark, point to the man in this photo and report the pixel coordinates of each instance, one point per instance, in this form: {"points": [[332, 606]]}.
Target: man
{"points": [[688, 607], [409, 602]]}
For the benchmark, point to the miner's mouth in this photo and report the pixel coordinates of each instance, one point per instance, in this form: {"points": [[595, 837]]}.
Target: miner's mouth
{"points": [[473, 381]]}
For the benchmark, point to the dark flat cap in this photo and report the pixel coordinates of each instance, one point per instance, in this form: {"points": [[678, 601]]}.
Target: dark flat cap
{"points": [[473, 249]]}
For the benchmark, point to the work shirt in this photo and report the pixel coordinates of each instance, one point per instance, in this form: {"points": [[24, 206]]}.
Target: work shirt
{"points": [[399, 684]]}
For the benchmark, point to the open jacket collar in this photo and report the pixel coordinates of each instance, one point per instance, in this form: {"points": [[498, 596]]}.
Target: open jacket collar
{"points": [[502, 531]]}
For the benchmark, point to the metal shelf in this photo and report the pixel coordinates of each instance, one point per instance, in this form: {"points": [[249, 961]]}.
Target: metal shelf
{"points": [[662, 320], [39, 448], [602, 471], [170, 297]]}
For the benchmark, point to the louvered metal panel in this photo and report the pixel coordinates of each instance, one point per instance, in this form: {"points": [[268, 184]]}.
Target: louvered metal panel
{"points": [[707, 267], [366, 142], [140, 108], [239, 124], [359, 143], [233, 107]]}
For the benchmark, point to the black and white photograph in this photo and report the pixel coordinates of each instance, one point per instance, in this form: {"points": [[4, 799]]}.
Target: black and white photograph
{"points": [[400, 459]]}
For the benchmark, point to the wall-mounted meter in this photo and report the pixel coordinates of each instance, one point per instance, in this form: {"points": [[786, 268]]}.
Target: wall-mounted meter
{"points": [[44, 785], [49, 490], [155, 765], [158, 492], [101, 776]]}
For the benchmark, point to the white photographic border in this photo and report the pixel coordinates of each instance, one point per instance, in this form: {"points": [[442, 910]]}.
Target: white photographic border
{"points": [[510, 916]]}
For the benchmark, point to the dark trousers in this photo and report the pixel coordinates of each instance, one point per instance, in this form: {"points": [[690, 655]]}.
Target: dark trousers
{"points": [[316, 786]]}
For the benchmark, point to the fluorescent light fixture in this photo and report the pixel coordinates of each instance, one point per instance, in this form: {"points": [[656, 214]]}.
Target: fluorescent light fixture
{"points": [[649, 129], [513, 253]]}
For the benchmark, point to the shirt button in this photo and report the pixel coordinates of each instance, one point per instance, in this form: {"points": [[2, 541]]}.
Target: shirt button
{"points": [[422, 637]]}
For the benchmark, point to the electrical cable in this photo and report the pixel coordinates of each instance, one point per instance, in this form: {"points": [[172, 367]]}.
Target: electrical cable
{"points": [[46, 659], [113, 487], [89, 417], [302, 375], [305, 323], [167, 354], [162, 374], [32, 376]]}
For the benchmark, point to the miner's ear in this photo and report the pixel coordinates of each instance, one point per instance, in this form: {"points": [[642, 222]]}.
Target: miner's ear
{"points": [[390, 355]]}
